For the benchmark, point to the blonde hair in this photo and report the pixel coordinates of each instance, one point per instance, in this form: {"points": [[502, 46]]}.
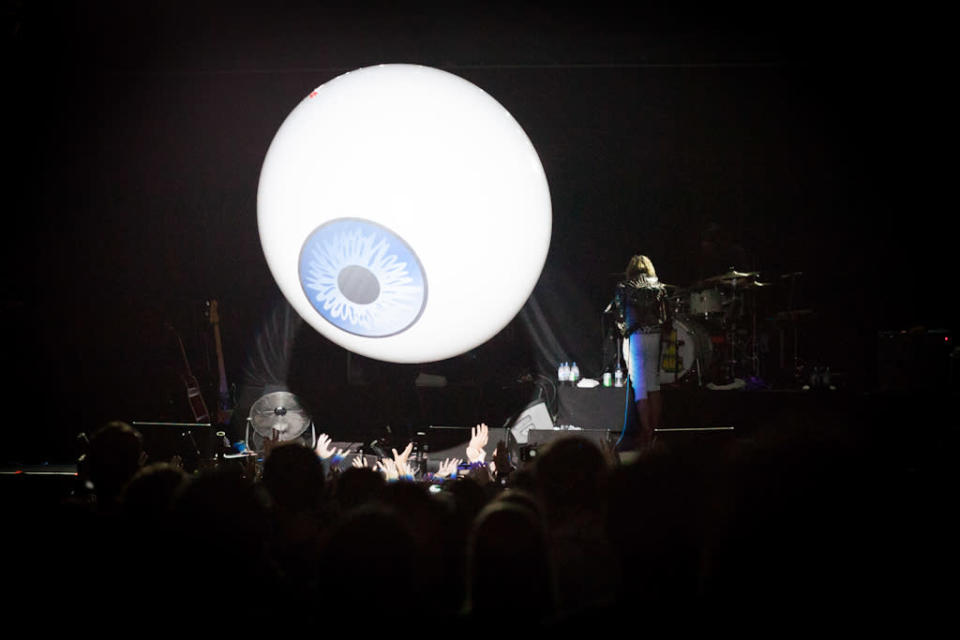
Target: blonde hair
{"points": [[640, 265]]}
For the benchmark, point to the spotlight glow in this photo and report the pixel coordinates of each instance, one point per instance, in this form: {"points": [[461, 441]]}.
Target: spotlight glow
{"points": [[391, 182]]}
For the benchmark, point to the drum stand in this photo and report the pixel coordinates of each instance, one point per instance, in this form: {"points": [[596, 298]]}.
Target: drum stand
{"points": [[754, 356], [676, 349], [258, 442], [792, 316], [732, 336], [750, 354], [696, 357]]}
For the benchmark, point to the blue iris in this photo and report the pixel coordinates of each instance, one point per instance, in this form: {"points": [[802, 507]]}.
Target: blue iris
{"points": [[362, 277]]}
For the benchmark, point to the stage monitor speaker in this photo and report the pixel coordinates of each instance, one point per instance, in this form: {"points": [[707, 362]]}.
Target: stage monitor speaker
{"points": [[533, 417]]}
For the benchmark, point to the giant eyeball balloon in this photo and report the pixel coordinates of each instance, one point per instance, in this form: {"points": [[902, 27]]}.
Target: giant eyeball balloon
{"points": [[403, 213]]}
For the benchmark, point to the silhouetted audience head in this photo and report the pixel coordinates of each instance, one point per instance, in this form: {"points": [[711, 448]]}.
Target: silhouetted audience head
{"points": [[114, 456], [509, 565], [221, 530], [521, 497], [571, 473], [656, 522], [355, 487], [149, 494], [294, 477], [470, 498], [370, 562], [796, 515]]}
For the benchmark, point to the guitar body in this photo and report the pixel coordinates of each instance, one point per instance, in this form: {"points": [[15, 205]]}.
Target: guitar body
{"points": [[197, 404]]}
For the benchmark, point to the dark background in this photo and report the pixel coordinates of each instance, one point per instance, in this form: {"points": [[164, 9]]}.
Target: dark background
{"points": [[815, 134]]}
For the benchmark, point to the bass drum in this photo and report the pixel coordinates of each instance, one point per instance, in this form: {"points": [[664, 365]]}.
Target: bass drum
{"points": [[683, 350]]}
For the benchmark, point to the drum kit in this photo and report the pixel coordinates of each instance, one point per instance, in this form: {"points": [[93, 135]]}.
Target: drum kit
{"points": [[712, 336]]}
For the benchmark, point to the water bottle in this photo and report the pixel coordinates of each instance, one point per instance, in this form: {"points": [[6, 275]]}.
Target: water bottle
{"points": [[618, 376], [560, 373], [574, 373]]}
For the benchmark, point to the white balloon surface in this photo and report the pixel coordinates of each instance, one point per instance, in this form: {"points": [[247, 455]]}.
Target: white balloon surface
{"points": [[404, 213]]}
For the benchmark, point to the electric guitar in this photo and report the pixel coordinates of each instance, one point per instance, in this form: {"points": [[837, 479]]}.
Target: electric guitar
{"points": [[197, 404]]}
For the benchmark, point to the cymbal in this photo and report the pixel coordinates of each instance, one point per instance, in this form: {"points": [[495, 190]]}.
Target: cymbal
{"points": [[733, 274], [279, 411], [753, 284]]}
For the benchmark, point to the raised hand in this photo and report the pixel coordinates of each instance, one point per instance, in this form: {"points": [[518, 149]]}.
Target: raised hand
{"points": [[449, 467], [325, 451], [323, 448], [405, 455], [388, 468], [478, 440], [483, 436], [403, 469], [359, 462]]}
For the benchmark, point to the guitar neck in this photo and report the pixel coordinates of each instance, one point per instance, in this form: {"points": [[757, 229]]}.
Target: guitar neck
{"points": [[224, 408], [220, 366]]}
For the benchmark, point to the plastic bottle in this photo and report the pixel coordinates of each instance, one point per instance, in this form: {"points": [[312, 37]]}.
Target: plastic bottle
{"points": [[618, 376], [574, 373]]}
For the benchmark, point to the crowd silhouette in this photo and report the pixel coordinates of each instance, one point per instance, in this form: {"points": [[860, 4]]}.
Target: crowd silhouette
{"points": [[800, 525]]}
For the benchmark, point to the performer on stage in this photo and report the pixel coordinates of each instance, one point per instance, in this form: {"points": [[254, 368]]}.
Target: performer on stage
{"points": [[640, 298]]}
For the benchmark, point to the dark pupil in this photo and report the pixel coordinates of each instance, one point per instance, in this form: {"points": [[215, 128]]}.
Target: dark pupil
{"points": [[358, 284]]}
